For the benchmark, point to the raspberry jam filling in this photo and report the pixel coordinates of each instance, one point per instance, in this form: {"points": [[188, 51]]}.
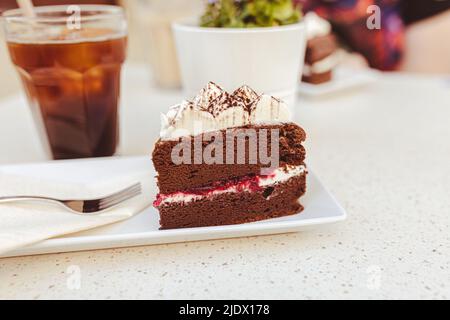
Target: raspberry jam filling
{"points": [[247, 183], [250, 183]]}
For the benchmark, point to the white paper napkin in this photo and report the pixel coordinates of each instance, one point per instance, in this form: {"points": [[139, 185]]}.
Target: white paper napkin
{"points": [[25, 223]]}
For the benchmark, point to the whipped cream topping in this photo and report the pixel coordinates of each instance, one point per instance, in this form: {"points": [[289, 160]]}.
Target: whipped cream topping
{"points": [[316, 26], [277, 176], [215, 109], [326, 64]]}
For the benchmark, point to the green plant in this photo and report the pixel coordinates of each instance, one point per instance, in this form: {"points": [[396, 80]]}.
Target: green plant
{"points": [[249, 13]]}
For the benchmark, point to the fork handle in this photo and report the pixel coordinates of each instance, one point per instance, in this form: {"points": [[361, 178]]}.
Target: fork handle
{"points": [[24, 198]]}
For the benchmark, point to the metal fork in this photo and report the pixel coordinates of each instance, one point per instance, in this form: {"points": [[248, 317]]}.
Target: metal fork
{"points": [[92, 207]]}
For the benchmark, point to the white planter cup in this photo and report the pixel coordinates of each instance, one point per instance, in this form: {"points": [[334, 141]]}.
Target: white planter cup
{"points": [[269, 60]]}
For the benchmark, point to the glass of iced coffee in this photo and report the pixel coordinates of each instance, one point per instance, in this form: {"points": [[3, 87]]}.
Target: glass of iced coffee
{"points": [[69, 59]]}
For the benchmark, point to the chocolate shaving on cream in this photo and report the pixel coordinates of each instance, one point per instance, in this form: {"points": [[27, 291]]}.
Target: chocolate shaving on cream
{"points": [[215, 109]]}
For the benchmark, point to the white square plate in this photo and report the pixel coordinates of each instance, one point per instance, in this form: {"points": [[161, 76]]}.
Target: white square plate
{"points": [[344, 79], [143, 228]]}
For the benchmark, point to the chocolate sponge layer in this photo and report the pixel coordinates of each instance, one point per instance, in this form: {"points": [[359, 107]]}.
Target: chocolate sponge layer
{"points": [[319, 48], [180, 177], [234, 208], [318, 78]]}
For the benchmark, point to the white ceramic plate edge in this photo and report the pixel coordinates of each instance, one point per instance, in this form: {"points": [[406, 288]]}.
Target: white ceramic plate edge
{"points": [[130, 239], [152, 238]]}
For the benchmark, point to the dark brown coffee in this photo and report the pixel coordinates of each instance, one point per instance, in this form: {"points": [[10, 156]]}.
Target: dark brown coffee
{"points": [[74, 88]]}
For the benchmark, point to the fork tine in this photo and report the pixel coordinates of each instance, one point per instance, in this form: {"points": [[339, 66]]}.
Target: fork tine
{"points": [[123, 197], [111, 196], [114, 203], [121, 193]]}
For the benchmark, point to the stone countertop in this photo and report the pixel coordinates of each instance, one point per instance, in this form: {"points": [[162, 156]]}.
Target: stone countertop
{"points": [[382, 150]]}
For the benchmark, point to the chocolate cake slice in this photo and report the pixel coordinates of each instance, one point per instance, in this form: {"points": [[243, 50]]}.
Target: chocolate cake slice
{"points": [[321, 50], [228, 158]]}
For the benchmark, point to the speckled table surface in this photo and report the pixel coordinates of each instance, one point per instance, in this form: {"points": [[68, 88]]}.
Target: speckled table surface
{"points": [[384, 152]]}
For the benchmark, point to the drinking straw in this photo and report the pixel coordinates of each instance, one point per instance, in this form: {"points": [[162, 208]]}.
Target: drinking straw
{"points": [[27, 8]]}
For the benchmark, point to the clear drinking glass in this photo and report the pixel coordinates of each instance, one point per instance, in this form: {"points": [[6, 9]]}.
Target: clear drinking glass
{"points": [[69, 59]]}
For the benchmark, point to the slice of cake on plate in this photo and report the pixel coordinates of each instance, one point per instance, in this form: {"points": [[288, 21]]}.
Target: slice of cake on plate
{"points": [[321, 50], [227, 159]]}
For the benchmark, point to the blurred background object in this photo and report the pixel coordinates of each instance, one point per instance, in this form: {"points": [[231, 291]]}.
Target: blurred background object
{"points": [[321, 55], [150, 40], [249, 14], [153, 23], [12, 4], [427, 45], [410, 34], [268, 60], [413, 37], [416, 10], [259, 43]]}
